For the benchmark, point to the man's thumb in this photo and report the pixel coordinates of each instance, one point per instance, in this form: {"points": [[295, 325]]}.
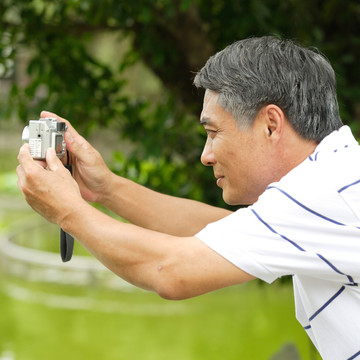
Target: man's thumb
{"points": [[52, 161]]}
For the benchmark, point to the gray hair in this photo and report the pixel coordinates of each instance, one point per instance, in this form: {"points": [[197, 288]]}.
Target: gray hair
{"points": [[256, 72]]}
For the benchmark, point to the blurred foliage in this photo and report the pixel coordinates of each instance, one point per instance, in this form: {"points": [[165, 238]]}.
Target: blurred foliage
{"points": [[67, 75], [8, 183]]}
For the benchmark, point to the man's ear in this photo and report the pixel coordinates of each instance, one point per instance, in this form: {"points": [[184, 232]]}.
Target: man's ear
{"points": [[274, 121]]}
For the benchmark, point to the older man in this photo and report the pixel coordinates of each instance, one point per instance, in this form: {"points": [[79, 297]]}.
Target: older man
{"points": [[275, 141]]}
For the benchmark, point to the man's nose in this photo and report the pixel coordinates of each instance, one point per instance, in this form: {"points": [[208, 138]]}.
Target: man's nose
{"points": [[207, 156]]}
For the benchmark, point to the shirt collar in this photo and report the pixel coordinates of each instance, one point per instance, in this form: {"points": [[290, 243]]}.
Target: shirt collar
{"points": [[338, 138]]}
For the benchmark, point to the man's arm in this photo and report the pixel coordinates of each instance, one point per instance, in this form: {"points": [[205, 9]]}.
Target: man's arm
{"points": [[152, 210], [174, 267], [131, 201]]}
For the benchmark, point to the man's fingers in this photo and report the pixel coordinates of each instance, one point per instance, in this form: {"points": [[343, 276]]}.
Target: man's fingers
{"points": [[20, 176], [28, 168], [26, 160], [70, 129], [52, 161], [24, 151], [24, 157], [45, 114], [75, 143]]}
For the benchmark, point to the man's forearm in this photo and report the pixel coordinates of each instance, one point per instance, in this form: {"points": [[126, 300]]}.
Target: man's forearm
{"points": [[159, 212], [174, 267], [127, 250]]}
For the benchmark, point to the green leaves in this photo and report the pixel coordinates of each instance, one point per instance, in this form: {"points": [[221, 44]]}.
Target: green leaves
{"points": [[81, 58]]}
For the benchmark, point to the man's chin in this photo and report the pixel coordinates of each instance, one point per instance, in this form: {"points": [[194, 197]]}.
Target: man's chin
{"points": [[237, 200]]}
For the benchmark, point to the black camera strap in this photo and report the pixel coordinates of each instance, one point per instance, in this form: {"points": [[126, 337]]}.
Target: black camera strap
{"points": [[66, 240], [66, 245]]}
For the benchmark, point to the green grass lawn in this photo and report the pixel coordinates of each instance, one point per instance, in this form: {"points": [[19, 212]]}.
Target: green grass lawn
{"points": [[42, 321]]}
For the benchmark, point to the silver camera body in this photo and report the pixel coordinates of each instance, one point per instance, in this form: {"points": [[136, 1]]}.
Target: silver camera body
{"points": [[43, 134]]}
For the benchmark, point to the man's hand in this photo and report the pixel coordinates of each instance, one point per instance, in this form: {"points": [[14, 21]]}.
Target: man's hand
{"points": [[89, 168], [47, 185]]}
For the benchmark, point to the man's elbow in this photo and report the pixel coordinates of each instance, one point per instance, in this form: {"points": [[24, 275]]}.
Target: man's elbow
{"points": [[173, 294], [177, 289]]}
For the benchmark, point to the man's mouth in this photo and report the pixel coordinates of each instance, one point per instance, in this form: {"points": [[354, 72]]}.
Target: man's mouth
{"points": [[219, 180]]}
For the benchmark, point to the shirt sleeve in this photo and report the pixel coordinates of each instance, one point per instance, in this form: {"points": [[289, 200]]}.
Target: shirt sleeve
{"points": [[281, 235], [230, 238]]}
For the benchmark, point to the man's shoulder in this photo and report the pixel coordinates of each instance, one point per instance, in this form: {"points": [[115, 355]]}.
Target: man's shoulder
{"points": [[331, 166], [326, 184]]}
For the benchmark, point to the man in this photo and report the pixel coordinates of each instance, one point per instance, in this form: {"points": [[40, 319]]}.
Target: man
{"points": [[274, 140]]}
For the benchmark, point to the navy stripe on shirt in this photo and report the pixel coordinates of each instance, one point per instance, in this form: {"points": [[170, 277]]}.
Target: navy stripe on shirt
{"points": [[347, 186], [313, 211], [275, 232], [332, 266], [305, 207], [354, 356], [326, 304], [317, 312]]}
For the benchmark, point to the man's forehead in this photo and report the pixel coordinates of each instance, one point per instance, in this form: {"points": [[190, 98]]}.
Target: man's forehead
{"points": [[210, 97], [210, 104], [213, 113]]}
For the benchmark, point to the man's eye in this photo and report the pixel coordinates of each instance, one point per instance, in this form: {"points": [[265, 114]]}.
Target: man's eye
{"points": [[210, 132]]}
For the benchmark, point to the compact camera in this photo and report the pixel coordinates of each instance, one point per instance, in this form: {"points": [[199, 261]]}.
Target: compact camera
{"points": [[43, 134]]}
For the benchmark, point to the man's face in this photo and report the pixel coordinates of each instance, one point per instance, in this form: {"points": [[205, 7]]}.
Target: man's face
{"points": [[240, 158]]}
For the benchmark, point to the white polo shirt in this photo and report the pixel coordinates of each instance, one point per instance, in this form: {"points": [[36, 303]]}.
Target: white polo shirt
{"points": [[307, 225]]}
